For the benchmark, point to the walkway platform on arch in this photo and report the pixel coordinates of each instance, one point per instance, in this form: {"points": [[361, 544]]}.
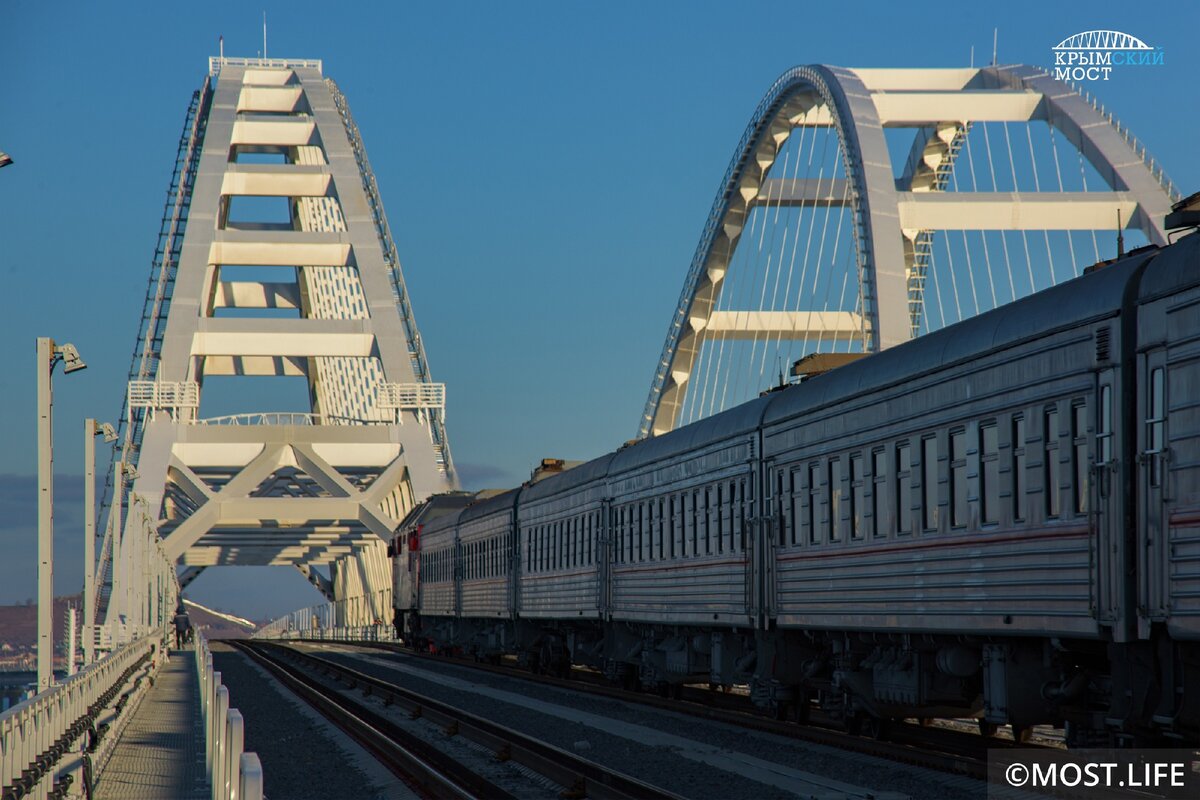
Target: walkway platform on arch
{"points": [[161, 751]]}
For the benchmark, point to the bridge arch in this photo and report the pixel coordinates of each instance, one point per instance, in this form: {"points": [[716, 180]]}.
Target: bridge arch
{"points": [[894, 215]]}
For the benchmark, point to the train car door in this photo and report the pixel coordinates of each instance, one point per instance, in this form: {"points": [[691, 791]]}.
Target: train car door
{"points": [[604, 557], [760, 548], [1154, 463], [1107, 535]]}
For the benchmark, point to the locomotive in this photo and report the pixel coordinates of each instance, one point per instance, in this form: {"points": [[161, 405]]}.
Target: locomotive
{"points": [[997, 520]]}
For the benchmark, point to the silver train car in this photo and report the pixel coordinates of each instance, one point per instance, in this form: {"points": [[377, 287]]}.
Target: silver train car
{"points": [[999, 520]]}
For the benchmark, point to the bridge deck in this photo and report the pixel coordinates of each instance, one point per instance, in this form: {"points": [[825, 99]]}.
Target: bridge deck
{"points": [[161, 751]]}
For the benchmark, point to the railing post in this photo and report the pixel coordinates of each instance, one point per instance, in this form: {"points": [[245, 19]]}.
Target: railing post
{"points": [[252, 778], [210, 737], [234, 741], [219, 743]]}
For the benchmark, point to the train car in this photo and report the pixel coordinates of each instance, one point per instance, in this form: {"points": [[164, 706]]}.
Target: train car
{"points": [[937, 541], [486, 532], [562, 565], [1164, 414], [439, 567], [682, 505], [405, 553]]}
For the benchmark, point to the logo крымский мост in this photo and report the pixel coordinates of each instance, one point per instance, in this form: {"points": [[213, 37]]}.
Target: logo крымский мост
{"points": [[1092, 55]]}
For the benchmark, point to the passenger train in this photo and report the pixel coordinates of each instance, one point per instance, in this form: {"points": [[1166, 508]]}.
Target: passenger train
{"points": [[999, 520]]}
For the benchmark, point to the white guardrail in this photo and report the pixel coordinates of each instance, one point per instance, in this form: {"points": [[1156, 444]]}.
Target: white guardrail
{"points": [[328, 621], [54, 742], [232, 773]]}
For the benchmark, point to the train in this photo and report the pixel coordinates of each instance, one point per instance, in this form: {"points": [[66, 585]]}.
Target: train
{"points": [[997, 521]]}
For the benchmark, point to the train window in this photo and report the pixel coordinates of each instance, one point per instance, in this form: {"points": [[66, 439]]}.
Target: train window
{"points": [[904, 488], [1104, 434], [671, 526], [879, 492], [793, 503], [695, 522], [1018, 467], [782, 502], [1155, 425], [1079, 456], [731, 512], [735, 517], [660, 530], [989, 472], [960, 510], [929, 483], [858, 490], [1051, 483], [836, 523], [814, 500], [720, 518], [707, 520]]}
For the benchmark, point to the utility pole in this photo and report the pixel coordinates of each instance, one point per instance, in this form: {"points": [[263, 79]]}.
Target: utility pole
{"points": [[91, 429]]}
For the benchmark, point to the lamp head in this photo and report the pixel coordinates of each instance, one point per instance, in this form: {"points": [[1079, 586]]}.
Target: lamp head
{"points": [[105, 428], [72, 362]]}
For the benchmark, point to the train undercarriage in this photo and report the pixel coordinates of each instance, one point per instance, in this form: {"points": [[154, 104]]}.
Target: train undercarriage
{"points": [[1102, 694]]}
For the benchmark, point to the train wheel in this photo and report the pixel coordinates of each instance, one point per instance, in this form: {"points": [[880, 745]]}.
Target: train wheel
{"points": [[802, 709], [874, 727], [987, 728]]}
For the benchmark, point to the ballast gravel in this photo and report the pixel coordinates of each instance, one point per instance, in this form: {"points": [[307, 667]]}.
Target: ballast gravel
{"points": [[660, 766]]}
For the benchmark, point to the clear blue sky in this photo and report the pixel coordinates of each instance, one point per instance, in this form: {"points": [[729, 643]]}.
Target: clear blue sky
{"points": [[546, 168]]}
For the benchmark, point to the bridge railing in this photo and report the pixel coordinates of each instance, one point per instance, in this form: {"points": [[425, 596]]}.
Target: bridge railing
{"points": [[339, 620], [46, 740], [232, 773]]}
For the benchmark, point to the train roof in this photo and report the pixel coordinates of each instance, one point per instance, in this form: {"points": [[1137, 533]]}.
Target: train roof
{"points": [[435, 506], [1176, 268], [1073, 302], [490, 505], [741, 419], [589, 471]]}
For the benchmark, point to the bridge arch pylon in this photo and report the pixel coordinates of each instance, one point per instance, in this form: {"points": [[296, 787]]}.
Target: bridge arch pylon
{"points": [[893, 208]]}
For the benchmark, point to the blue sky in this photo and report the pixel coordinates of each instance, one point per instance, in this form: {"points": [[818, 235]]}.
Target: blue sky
{"points": [[546, 168]]}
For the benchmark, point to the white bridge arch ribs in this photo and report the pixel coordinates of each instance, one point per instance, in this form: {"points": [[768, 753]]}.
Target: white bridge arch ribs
{"points": [[323, 487]]}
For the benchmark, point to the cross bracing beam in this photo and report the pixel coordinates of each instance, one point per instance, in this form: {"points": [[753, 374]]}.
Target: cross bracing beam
{"points": [[823, 325], [278, 249], [809, 192], [272, 99], [282, 132], [254, 294], [277, 180], [917, 79], [230, 336], [1055, 211], [323, 584], [929, 108]]}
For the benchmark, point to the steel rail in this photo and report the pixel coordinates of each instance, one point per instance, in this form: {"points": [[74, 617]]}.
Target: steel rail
{"points": [[937, 748], [581, 777], [409, 757]]}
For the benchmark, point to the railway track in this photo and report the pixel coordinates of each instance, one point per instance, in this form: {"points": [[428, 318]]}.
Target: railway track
{"points": [[416, 760], [943, 749]]}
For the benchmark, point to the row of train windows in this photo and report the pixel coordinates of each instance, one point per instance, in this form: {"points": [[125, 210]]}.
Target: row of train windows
{"points": [[890, 489], [437, 566], [481, 559], [485, 558], [707, 520], [564, 544]]}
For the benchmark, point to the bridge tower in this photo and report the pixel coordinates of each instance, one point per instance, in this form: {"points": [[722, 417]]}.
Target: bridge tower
{"points": [[275, 260]]}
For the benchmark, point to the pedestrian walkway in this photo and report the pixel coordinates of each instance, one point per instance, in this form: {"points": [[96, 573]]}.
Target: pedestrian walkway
{"points": [[161, 751]]}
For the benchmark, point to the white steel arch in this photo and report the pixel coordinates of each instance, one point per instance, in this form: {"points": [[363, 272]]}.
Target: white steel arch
{"points": [[894, 213]]}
